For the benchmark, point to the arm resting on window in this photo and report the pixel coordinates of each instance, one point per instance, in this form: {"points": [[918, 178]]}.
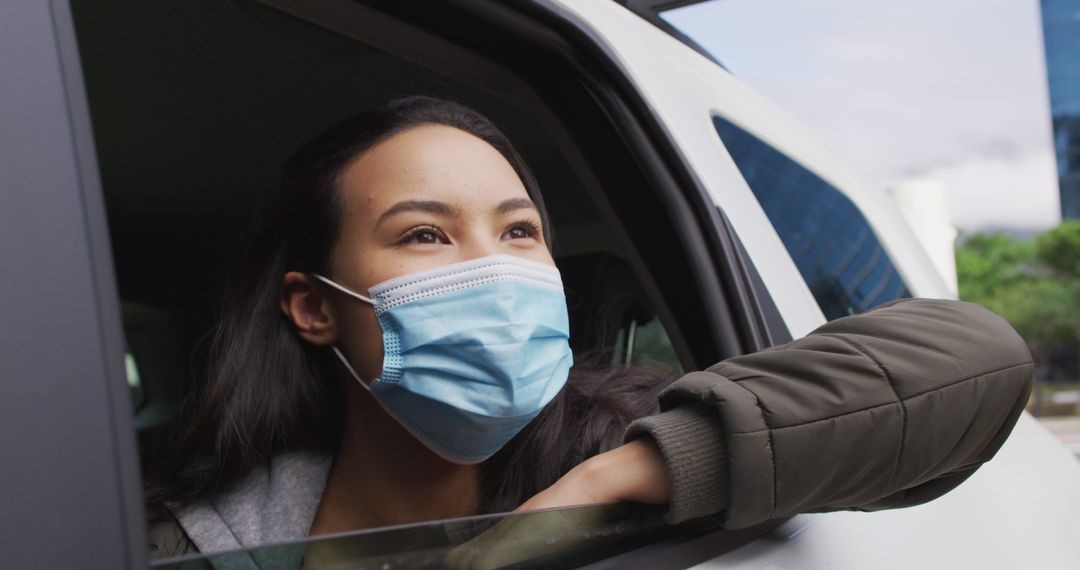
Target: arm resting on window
{"points": [[891, 408]]}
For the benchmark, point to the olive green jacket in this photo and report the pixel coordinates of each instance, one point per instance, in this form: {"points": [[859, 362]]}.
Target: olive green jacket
{"points": [[891, 408], [887, 409]]}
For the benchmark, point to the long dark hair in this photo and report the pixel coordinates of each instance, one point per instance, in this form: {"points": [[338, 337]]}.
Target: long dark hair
{"points": [[267, 391]]}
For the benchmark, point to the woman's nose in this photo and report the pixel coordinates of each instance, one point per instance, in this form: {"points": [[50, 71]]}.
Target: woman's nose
{"points": [[478, 245]]}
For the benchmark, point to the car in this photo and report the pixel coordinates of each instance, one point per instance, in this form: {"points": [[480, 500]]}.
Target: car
{"points": [[694, 221]]}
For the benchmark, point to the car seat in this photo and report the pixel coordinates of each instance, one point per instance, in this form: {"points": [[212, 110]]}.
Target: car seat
{"points": [[157, 367], [606, 304]]}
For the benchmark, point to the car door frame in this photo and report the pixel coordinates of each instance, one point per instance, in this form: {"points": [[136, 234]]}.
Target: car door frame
{"points": [[75, 497]]}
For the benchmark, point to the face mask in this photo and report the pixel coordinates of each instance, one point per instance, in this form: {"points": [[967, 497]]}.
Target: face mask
{"points": [[471, 351]]}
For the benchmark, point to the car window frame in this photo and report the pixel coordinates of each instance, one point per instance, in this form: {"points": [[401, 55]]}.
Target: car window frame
{"points": [[719, 270], [756, 319], [75, 499]]}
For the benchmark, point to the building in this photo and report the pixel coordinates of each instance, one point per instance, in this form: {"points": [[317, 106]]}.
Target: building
{"points": [[1061, 36]]}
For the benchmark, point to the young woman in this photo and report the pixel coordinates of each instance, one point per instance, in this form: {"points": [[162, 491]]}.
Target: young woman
{"points": [[394, 349]]}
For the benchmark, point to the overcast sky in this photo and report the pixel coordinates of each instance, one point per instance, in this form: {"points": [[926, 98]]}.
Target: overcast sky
{"points": [[951, 90]]}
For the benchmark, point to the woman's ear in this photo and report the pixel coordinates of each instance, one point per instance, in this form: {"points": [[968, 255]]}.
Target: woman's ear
{"points": [[303, 303]]}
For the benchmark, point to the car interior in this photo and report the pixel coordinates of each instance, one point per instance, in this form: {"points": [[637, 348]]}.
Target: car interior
{"points": [[194, 105]]}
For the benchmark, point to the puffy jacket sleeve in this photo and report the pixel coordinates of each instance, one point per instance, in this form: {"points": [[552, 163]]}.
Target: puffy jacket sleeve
{"points": [[890, 408]]}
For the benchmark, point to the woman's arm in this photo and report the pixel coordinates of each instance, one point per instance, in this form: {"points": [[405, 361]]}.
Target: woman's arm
{"points": [[887, 409]]}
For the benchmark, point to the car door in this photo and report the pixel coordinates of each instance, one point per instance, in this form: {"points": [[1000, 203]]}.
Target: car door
{"points": [[69, 470], [92, 117], [774, 181]]}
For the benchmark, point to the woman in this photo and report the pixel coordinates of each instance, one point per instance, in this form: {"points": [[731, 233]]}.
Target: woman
{"points": [[339, 394]]}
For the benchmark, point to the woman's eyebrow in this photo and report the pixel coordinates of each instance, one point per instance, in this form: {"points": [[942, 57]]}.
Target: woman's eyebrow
{"points": [[515, 204], [430, 206]]}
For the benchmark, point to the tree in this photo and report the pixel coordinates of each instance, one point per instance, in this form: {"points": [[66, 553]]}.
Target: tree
{"points": [[987, 263], [1044, 311], [1034, 284], [1059, 250]]}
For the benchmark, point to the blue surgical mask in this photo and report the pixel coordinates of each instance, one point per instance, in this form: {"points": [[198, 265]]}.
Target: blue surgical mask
{"points": [[472, 352]]}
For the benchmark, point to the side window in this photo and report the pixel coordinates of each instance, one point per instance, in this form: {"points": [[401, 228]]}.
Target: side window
{"points": [[256, 88], [195, 106], [831, 242]]}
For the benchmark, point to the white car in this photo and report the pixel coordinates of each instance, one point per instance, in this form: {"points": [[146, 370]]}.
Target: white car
{"points": [[694, 221]]}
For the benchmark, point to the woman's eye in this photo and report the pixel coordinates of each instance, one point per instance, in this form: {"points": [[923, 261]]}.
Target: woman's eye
{"points": [[425, 235], [522, 230]]}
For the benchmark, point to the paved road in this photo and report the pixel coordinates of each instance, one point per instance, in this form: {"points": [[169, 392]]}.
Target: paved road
{"points": [[1066, 428]]}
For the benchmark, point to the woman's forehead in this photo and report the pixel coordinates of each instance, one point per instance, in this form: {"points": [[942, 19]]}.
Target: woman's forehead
{"points": [[430, 162]]}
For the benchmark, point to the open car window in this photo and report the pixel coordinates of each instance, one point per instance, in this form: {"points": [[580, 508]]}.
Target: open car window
{"points": [[195, 105]]}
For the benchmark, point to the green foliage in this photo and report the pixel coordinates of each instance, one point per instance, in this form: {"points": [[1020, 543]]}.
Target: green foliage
{"points": [[1059, 249], [1043, 310], [1034, 284], [987, 263]]}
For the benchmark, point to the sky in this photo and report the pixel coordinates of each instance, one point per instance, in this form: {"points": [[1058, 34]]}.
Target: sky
{"points": [[951, 91]]}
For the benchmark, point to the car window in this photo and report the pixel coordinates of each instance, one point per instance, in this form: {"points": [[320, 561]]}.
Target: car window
{"points": [[195, 105], [608, 535], [173, 235], [834, 247], [542, 539]]}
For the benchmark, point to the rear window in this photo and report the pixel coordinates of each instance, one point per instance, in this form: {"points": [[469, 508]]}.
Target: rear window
{"points": [[831, 242]]}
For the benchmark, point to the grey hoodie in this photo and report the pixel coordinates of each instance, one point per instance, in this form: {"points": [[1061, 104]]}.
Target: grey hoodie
{"points": [[274, 503]]}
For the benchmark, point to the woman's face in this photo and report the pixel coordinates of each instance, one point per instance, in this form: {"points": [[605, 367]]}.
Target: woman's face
{"points": [[427, 197]]}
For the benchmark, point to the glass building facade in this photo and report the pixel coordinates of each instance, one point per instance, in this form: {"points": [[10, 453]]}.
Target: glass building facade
{"points": [[1061, 35]]}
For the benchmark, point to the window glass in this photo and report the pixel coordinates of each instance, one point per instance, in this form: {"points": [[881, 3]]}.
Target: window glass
{"points": [[832, 244], [557, 538]]}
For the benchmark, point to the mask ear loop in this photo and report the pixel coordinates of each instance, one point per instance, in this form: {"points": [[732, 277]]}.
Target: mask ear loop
{"points": [[345, 290], [349, 367], [337, 351]]}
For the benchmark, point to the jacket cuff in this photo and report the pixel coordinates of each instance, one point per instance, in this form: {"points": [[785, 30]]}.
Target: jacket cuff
{"points": [[691, 442]]}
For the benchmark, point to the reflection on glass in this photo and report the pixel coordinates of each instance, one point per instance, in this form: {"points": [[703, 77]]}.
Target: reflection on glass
{"points": [[540, 539], [832, 244], [134, 380]]}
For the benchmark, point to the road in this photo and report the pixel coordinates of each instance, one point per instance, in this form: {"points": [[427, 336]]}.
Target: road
{"points": [[1066, 428]]}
